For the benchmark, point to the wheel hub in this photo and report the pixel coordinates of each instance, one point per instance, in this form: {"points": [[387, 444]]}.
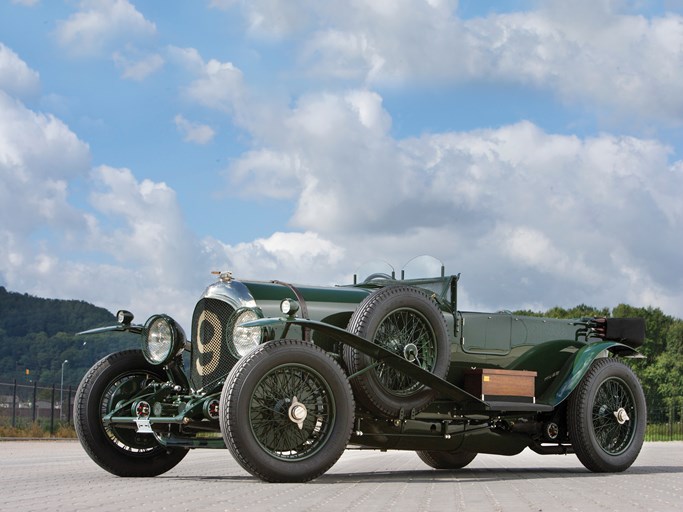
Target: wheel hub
{"points": [[410, 352], [297, 413], [621, 415]]}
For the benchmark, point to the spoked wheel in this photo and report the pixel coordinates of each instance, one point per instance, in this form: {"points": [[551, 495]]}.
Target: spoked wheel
{"points": [[607, 417], [287, 411], [456, 459], [406, 321], [120, 450]]}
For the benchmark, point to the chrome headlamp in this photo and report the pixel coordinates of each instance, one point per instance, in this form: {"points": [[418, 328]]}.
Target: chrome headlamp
{"points": [[244, 339], [162, 339]]}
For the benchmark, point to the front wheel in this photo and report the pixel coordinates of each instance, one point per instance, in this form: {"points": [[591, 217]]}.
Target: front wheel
{"points": [[286, 411], [112, 381], [607, 417]]}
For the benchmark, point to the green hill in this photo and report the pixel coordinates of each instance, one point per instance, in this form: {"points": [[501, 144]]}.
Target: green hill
{"points": [[37, 335]]}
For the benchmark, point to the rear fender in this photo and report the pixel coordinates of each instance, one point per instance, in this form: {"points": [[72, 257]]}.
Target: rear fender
{"points": [[577, 366]]}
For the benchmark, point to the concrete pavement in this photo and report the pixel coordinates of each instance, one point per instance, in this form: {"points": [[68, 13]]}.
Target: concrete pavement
{"points": [[58, 475]]}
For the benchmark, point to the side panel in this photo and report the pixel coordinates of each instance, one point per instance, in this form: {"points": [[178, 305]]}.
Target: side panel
{"points": [[513, 342], [484, 333]]}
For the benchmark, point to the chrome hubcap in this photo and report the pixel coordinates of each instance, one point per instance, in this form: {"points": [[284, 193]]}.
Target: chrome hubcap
{"points": [[297, 413], [621, 415]]}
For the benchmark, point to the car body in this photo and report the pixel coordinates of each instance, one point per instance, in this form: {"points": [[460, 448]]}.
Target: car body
{"points": [[287, 377]]}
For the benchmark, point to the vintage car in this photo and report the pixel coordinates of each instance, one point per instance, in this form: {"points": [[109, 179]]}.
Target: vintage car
{"points": [[287, 377]]}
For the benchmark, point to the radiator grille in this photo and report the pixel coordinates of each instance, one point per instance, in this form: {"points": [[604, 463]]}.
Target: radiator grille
{"points": [[211, 357]]}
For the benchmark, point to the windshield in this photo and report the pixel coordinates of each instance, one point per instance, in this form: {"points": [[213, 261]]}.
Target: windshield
{"points": [[421, 267], [373, 270]]}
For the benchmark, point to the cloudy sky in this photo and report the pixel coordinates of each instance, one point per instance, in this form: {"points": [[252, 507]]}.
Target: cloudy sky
{"points": [[534, 147]]}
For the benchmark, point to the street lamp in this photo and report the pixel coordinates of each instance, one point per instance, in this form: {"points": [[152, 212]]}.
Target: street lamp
{"points": [[61, 391]]}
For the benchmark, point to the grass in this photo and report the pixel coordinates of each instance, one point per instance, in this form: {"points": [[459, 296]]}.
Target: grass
{"points": [[37, 431]]}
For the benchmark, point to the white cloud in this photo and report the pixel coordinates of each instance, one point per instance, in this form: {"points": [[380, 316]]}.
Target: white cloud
{"points": [[140, 68], [151, 228], [39, 158], [220, 86], [16, 78], [217, 85], [295, 257], [134, 238], [593, 53], [274, 19], [532, 215], [101, 24], [39, 155], [194, 132]]}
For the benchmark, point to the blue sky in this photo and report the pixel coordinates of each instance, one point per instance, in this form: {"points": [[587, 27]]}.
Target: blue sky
{"points": [[535, 147]]}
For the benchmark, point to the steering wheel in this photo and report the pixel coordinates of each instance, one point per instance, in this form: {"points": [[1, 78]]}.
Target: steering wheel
{"points": [[377, 275]]}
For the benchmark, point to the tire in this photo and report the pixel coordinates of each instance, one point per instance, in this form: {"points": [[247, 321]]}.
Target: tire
{"points": [[607, 417], [456, 459], [397, 318], [259, 405], [121, 451]]}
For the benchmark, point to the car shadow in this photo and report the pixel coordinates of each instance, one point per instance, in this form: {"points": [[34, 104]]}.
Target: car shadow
{"points": [[460, 475], [487, 474]]}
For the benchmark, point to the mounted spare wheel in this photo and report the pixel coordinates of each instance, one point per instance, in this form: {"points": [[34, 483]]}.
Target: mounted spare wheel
{"points": [[408, 322]]}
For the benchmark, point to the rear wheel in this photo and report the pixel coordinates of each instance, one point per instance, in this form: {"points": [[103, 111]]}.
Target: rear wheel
{"points": [[287, 411], [120, 450], [406, 321], [456, 459], [607, 417]]}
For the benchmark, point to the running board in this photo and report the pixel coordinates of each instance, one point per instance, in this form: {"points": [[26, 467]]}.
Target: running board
{"points": [[518, 407]]}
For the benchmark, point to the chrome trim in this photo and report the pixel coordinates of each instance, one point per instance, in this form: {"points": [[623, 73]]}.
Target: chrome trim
{"points": [[233, 292]]}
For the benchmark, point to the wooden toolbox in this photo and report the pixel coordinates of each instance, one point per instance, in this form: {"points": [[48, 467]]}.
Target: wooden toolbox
{"points": [[501, 385]]}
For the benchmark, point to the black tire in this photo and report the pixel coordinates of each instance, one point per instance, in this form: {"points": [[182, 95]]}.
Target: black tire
{"points": [[456, 459], [262, 395], [121, 451], [397, 318], [607, 417]]}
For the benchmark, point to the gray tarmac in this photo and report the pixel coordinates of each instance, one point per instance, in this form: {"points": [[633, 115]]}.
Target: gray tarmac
{"points": [[58, 475]]}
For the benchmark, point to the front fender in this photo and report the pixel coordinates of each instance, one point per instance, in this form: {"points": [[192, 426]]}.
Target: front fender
{"points": [[576, 367], [135, 329], [381, 354]]}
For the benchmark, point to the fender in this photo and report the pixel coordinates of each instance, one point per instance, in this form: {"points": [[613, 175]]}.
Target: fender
{"points": [[577, 366], [465, 399], [135, 329]]}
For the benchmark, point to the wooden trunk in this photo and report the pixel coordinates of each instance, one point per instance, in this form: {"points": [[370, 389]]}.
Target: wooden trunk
{"points": [[501, 385]]}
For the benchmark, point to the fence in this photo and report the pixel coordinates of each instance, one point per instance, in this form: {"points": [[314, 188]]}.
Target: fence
{"points": [[665, 419], [22, 405]]}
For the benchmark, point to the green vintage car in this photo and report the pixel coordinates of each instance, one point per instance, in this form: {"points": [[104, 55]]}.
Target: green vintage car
{"points": [[287, 377]]}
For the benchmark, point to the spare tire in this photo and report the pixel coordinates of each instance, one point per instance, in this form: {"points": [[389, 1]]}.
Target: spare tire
{"points": [[409, 323]]}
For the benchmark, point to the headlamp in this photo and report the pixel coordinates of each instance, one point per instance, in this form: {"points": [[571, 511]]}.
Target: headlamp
{"points": [[162, 339], [244, 339]]}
